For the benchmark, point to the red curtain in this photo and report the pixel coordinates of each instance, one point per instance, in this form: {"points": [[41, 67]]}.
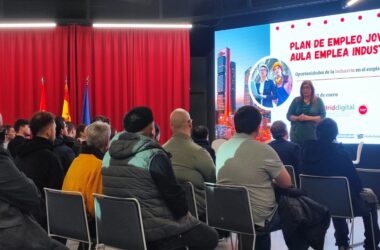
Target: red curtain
{"points": [[126, 68]]}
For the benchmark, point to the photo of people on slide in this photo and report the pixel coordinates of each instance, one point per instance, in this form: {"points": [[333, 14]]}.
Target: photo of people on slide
{"points": [[270, 83]]}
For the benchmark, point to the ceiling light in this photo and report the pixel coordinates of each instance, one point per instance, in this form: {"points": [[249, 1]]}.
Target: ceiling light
{"points": [[143, 25], [349, 3], [27, 25]]}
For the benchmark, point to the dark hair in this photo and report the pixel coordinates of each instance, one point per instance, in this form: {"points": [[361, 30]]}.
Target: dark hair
{"points": [[137, 119], [247, 119], [70, 126], [60, 122], [39, 121], [80, 129], [308, 82], [200, 132], [327, 130], [278, 130], [20, 123], [156, 130], [101, 118]]}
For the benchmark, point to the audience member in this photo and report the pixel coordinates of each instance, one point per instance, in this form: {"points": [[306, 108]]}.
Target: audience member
{"points": [[326, 158], [61, 147], [81, 135], [2, 131], [190, 161], [200, 137], [19, 198], [289, 152], [137, 166], [70, 138], [22, 132], [244, 161], [157, 133], [36, 157], [101, 118], [84, 174], [9, 135], [71, 130]]}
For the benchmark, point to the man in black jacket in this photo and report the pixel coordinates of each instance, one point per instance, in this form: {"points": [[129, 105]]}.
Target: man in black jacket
{"points": [[324, 157], [22, 132], [36, 157], [62, 147], [137, 166], [19, 197]]}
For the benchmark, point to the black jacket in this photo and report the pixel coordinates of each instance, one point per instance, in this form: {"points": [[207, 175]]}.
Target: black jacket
{"points": [[289, 153], [303, 221], [64, 152], [206, 145], [38, 161], [15, 144]]}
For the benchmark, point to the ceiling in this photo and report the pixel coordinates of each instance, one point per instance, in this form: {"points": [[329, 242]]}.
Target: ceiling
{"points": [[206, 15]]}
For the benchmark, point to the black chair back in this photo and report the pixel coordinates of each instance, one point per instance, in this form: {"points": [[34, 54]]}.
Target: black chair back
{"points": [[370, 179], [330, 191], [119, 222], [190, 196], [292, 174], [66, 215], [229, 208]]}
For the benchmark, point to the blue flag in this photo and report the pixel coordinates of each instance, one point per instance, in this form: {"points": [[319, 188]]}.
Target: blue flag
{"points": [[86, 107]]}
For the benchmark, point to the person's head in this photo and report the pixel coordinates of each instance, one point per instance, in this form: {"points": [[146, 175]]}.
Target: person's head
{"points": [[139, 120], [247, 120], [263, 71], [279, 130], [157, 132], [43, 125], [200, 133], [277, 68], [101, 118], [327, 130], [180, 122], [98, 135], [22, 127], [71, 130], [10, 132], [80, 131], [307, 90], [61, 128]]}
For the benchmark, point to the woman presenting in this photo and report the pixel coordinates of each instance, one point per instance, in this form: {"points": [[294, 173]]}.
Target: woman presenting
{"points": [[304, 113]]}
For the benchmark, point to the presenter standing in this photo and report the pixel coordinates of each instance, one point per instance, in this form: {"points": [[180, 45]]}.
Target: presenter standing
{"points": [[304, 113]]}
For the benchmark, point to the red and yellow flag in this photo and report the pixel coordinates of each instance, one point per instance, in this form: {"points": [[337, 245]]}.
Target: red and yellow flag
{"points": [[65, 108], [43, 96]]}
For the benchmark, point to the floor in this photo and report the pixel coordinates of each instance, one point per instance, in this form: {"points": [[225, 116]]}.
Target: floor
{"points": [[278, 242]]}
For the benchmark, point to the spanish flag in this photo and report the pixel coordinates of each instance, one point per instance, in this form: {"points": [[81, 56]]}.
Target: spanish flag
{"points": [[65, 108], [43, 96]]}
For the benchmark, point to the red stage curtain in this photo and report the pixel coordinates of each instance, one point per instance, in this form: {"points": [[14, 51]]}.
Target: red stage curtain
{"points": [[26, 56], [126, 68]]}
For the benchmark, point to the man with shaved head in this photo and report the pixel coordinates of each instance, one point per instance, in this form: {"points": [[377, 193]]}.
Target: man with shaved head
{"points": [[190, 161]]}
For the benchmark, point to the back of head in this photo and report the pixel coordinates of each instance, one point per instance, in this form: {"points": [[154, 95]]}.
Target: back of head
{"points": [[20, 123], [80, 130], [247, 120], [278, 130], [40, 122], [179, 119], [98, 135], [200, 132], [137, 119], [101, 118], [327, 130], [61, 124]]}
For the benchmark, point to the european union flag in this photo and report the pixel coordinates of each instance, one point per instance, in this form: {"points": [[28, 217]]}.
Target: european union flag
{"points": [[86, 107]]}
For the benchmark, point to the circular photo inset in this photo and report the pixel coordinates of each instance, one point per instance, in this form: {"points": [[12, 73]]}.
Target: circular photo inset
{"points": [[270, 83]]}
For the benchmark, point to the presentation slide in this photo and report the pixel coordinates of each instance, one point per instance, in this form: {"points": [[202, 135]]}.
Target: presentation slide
{"points": [[340, 54]]}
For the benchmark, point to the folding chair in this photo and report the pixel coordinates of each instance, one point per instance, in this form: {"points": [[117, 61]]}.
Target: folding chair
{"points": [[370, 179], [292, 174], [229, 208], [119, 222], [66, 215], [190, 195], [334, 193], [358, 153]]}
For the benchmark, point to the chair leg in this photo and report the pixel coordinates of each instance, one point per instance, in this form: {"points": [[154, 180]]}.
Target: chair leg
{"points": [[372, 230], [352, 233]]}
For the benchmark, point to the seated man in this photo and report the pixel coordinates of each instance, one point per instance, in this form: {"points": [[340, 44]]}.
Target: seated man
{"points": [[22, 132], [244, 161], [326, 158], [190, 161], [289, 152], [84, 174], [137, 166], [62, 147], [19, 197], [200, 137]]}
